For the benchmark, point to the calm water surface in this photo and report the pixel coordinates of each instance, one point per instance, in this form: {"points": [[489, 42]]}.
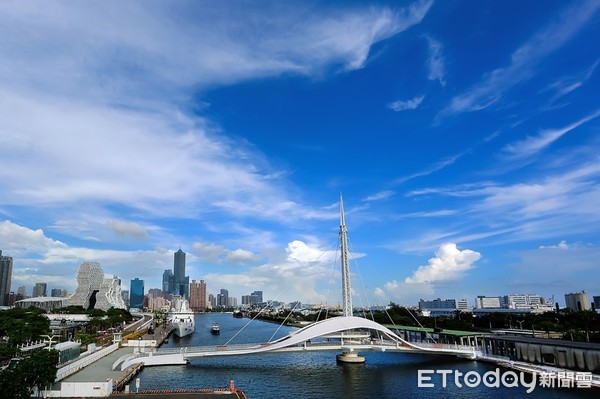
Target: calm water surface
{"points": [[317, 375]]}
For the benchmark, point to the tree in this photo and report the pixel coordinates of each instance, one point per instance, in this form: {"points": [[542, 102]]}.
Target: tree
{"points": [[23, 325], [39, 370]]}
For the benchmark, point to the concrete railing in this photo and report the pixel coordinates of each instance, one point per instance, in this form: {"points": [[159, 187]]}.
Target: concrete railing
{"points": [[77, 365]]}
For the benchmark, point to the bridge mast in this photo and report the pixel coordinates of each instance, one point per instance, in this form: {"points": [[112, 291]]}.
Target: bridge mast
{"points": [[348, 354], [346, 289]]}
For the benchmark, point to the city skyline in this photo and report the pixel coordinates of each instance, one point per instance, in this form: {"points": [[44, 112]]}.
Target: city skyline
{"points": [[463, 138]]}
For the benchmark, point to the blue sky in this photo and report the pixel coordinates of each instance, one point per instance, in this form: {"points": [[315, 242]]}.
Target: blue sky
{"points": [[464, 138]]}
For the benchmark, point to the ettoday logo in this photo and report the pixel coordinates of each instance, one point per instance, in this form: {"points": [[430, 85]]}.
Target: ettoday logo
{"points": [[471, 379]]}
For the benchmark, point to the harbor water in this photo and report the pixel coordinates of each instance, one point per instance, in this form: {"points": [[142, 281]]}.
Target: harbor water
{"points": [[317, 375]]}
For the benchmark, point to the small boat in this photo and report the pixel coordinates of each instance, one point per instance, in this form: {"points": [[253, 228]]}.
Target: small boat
{"points": [[215, 330], [238, 314]]}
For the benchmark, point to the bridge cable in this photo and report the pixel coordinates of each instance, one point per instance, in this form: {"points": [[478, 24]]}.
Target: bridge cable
{"points": [[257, 314], [266, 306], [362, 283], [283, 322], [409, 312], [331, 280]]}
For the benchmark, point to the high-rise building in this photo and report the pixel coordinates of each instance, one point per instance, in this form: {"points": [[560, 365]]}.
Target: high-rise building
{"points": [[40, 289], [179, 273], [256, 297], [212, 301], [577, 301], [198, 296], [6, 264], [223, 298], [168, 282], [596, 302], [136, 293], [181, 282]]}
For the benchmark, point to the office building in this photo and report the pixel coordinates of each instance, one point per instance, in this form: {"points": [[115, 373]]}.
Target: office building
{"points": [[40, 289], [168, 282], [452, 304], [487, 302], [523, 301], [198, 296], [6, 265], [136, 294], [256, 297], [181, 282], [223, 298], [597, 302], [212, 301], [577, 301]]}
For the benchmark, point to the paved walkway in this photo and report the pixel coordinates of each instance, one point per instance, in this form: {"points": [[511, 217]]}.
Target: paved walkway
{"points": [[101, 370]]}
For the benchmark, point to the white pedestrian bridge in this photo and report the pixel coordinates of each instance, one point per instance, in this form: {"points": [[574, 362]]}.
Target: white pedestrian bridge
{"points": [[348, 335]]}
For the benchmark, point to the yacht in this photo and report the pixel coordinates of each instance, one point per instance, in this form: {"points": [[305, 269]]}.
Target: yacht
{"points": [[215, 329], [181, 316]]}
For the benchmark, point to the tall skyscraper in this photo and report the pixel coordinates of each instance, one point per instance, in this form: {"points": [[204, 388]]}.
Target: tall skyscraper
{"points": [[181, 281], [6, 264], [136, 294], [40, 289], [198, 296], [168, 282]]}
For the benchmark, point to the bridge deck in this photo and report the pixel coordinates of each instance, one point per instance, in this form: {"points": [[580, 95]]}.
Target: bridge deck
{"points": [[169, 355]]}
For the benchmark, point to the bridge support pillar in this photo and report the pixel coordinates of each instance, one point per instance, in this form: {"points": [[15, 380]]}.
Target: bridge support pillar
{"points": [[350, 357]]}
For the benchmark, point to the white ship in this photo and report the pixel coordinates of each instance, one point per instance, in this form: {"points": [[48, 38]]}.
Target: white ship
{"points": [[182, 318]]}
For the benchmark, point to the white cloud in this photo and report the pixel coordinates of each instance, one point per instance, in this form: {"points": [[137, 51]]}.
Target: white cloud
{"points": [[435, 61], [400, 105], [105, 121], [534, 144], [449, 264], [405, 294], [561, 245], [301, 252], [382, 195], [19, 240], [523, 61], [240, 255], [444, 163], [127, 229]]}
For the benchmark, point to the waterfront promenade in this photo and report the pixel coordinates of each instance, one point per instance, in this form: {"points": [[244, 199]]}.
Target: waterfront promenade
{"points": [[94, 373]]}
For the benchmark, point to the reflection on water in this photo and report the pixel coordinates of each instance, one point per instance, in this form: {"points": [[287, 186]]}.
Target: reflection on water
{"points": [[316, 374]]}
